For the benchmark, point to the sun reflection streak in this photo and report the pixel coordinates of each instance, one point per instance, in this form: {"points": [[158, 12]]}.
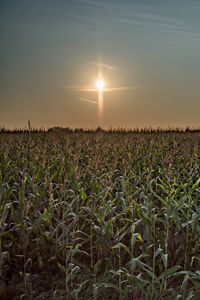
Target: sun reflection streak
{"points": [[100, 85], [100, 104]]}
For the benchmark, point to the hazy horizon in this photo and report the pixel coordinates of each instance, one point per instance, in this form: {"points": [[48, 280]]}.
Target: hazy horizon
{"points": [[53, 52]]}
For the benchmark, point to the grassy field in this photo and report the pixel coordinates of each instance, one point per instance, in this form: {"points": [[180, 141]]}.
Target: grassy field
{"points": [[100, 215]]}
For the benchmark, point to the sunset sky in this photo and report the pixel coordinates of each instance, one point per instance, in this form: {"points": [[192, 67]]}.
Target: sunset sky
{"points": [[148, 53]]}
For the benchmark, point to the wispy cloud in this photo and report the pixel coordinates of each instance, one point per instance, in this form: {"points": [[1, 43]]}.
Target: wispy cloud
{"points": [[87, 100], [78, 88], [74, 87], [101, 65], [89, 2], [155, 18], [120, 88], [89, 89], [112, 89]]}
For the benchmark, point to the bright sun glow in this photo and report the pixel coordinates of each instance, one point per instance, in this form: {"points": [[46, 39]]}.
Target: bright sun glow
{"points": [[100, 84]]}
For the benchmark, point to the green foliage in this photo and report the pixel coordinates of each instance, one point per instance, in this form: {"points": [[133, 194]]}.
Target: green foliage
{"points": [[100, 215]]}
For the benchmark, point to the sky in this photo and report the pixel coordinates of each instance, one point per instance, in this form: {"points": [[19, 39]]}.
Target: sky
{"points": [[147, 52]]}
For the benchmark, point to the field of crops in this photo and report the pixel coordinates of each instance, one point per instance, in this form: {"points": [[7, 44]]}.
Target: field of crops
{"points": [[100, 215]]}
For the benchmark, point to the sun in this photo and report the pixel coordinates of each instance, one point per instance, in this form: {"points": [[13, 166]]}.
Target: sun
{"points": [[100, 84]]}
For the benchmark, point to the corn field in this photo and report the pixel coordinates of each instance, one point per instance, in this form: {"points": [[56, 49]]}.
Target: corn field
{"points": [[103, 215]]}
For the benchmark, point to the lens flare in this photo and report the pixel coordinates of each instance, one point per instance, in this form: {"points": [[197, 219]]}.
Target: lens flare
{"points": [[100, 84]]}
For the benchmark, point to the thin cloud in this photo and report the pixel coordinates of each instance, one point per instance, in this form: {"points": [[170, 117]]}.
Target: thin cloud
{"points": [[78, 88], [113, 89], [89, 2], [156, 18], [75, 87], [109, 67], [87, 100], [120, 88], [89, 89]]}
